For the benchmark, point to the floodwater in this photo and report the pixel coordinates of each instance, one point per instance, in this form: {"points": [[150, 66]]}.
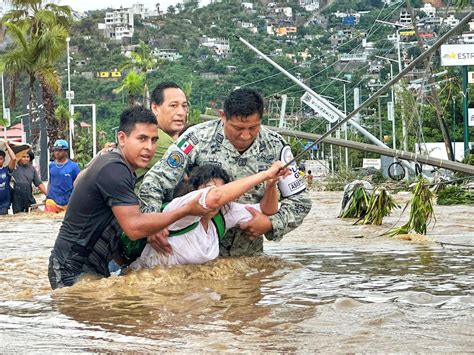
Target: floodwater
{"points": [[328, 286]]}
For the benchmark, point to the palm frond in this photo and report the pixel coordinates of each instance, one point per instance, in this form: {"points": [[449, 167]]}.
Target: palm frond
{"points": [[50, 78]]}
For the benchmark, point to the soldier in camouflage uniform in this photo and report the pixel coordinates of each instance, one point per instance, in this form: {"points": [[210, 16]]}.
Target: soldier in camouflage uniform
{"points": [[239, 144]]}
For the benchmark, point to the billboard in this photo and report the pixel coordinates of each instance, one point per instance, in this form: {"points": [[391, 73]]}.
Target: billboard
{"points": [[457, 54]]}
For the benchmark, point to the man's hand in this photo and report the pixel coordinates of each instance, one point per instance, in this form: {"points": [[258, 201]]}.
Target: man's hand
{"points": [[258, 225], [194, 208], [159, 242]]}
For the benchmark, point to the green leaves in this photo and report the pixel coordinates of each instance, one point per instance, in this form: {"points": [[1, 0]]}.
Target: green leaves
{"points": [[380, 205], [421, 211], [357, 205]]}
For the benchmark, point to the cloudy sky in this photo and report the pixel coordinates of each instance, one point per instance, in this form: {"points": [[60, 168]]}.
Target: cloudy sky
{"points": [[83, 5]]}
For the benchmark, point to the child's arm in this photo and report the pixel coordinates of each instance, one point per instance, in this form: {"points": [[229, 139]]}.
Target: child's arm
{"points": [[269, 201], [219, 196]]}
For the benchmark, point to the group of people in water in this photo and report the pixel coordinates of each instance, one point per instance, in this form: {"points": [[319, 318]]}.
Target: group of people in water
{"points": [[18, 177], [167, 196]]}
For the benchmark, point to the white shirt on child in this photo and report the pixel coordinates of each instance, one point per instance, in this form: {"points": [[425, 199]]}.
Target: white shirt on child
{"points": [[198, 245]]}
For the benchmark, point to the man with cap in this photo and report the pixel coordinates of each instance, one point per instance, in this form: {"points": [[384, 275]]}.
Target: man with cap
{"points": [[62, 173]]}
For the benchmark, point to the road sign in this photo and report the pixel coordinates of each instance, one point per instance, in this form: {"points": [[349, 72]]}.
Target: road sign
{"points": [[390, 112], [322, 107], [457, 54], [70, 95], [6, 116], [372, 163], [470, 115], [470, 77]]}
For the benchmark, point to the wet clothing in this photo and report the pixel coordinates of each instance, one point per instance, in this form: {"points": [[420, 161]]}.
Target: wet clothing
{"points": [[61, 181], [89, 234], [197, 245], [53, 207], [5, 197], [23, 177], [206, 144]]}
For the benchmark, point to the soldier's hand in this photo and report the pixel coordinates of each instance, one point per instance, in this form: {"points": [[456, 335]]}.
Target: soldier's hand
{"points": [[277, 170], [258, 225], [159, 242]]}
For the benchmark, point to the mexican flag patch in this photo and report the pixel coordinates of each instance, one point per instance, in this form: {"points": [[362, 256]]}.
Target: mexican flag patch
{"points": [[185, 146]]}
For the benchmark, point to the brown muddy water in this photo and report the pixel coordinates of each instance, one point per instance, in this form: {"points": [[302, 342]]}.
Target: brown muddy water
{"points": [[328, 286]]}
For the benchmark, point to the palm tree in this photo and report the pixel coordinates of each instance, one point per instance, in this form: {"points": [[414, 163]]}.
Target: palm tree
{"points": [[143, 61], [39, 33], [133, 84]]}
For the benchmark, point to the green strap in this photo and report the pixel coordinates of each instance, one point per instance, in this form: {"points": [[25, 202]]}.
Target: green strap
{"points": [[219, 223], [132, 249]]}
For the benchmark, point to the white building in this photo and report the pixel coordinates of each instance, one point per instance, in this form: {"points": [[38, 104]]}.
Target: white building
{"points": [[287, 11], [310, 5], [405, 18], [467, 37], [249, 26], [220, 46], [451, 21], [169, 55], [118, 24], [429, 10]]}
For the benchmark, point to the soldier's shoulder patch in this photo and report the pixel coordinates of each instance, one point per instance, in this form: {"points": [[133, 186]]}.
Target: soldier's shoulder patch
{"points": [[275, 137], [175, 159]]}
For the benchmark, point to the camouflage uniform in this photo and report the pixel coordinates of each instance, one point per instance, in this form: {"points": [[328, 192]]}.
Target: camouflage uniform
{"points": [[207, 144]]}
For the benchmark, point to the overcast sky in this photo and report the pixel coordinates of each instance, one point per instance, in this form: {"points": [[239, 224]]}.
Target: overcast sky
{"points": [[83, 5]]}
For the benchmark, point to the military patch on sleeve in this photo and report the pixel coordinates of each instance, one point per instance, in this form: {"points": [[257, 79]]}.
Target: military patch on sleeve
{"points": [[175, 159], [185, 146], [192, 137], [219, 138]]}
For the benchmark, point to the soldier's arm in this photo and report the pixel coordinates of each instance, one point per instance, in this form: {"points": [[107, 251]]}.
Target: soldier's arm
{"points": [[292, 211]]}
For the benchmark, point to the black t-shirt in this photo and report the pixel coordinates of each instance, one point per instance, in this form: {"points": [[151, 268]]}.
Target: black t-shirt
{"points": [[107, 182]]}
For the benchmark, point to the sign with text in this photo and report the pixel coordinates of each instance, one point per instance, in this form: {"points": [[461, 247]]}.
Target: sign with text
{"points": [[321, 106], [390, 111], [470, 115], [470, 77], [372, 163], [457, 54]]}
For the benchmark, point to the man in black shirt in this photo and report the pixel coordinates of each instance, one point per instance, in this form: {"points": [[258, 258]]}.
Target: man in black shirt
{"points": [[103, 204]]}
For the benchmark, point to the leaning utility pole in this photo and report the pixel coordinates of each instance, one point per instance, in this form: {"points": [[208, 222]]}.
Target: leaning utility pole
{"points": [[434, 91]]}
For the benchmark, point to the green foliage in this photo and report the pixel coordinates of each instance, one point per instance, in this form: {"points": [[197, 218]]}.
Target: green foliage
{"points": [[380, 205], [133, 84], [378, 177], [358, 204], [455, 195], [421, 211]]}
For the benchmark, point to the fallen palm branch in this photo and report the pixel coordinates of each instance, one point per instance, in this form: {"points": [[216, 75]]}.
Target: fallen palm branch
{"points": [[381, 204], [356, 200], [421, 211]]}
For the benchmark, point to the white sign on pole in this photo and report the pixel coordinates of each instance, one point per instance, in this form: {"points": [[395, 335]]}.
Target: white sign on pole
{"points": [[6, 116], [70, 95], [470, 115], [372, 163], [470, 77], [457, 54], [321, 107], [390, 112]]}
